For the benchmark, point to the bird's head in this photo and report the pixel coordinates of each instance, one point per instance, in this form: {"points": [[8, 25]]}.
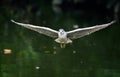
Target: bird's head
{"points": [[61, 31]]}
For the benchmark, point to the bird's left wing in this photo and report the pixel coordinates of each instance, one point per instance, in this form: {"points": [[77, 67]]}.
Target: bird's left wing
{"points": [[43, 30], [74, 34]]}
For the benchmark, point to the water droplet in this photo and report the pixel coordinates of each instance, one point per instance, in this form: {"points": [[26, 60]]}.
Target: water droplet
{"points": [[74, 52], [37, 67], [54, 52], [47, 51], [75, 26], [54, 47]]}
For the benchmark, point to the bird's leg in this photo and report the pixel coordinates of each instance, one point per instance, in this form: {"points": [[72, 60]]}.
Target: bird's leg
{"points": [[61, 45], [64, 45]]}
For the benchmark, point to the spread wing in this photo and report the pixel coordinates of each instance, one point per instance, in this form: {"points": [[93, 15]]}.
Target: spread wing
{"points": [[74, 34], [43, 30]]}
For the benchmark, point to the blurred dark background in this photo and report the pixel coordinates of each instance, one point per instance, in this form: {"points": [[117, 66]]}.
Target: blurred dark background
{"points": [[25, 53]]}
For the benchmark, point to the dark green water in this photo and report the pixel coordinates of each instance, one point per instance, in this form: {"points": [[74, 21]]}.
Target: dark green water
{"points": [[35, 55]]}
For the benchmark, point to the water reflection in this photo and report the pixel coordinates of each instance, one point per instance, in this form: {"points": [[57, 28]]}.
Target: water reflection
{"points": [[25, 53], [7, 51]]}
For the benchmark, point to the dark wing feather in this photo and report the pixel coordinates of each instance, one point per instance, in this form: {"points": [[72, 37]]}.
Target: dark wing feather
{"points": [[43, 30], [74, 34]]}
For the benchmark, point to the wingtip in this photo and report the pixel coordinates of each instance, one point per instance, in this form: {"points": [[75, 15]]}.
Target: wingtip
{"points": [[113, 21], [12, 20]]}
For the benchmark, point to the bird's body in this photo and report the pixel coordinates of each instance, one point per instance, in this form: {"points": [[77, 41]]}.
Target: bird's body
{"points": [[64, 37]]}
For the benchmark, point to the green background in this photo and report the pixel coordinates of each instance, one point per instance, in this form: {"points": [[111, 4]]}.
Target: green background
{"points": [[36, 55]]}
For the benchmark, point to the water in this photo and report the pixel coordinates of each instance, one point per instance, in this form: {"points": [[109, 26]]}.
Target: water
{"points": [[25, 53]]}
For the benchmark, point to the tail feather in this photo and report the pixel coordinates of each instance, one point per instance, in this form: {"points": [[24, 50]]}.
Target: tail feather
{"points": [[66, 41]]}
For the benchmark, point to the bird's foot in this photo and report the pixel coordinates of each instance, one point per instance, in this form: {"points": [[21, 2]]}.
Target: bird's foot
{"points": [[62, 45]]}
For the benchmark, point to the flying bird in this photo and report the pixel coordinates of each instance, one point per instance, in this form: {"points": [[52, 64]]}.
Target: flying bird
{"points": [[64, 37]]}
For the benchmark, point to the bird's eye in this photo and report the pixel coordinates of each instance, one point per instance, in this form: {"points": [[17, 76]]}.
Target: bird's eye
{"points": [[61, 32]]}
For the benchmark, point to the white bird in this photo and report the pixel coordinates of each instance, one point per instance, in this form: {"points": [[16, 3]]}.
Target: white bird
{"points": [[64, 37]]}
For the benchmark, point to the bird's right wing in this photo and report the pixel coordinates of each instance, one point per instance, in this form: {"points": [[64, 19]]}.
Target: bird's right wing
{"points": [[74, 34], [43, 30]]}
